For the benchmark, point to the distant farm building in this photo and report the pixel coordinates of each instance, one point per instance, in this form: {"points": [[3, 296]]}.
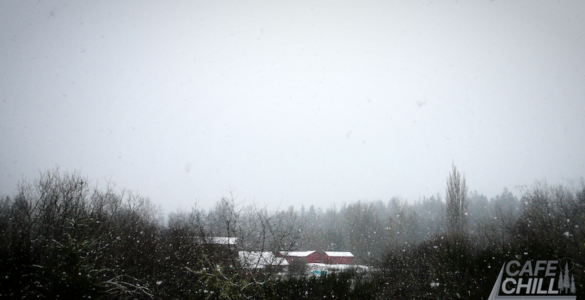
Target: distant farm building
{"points": [[306, 256], [337, 258], [221, 240], [260, 261]]}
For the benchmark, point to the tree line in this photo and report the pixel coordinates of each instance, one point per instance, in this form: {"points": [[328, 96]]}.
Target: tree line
{"points": [[62, 238]]}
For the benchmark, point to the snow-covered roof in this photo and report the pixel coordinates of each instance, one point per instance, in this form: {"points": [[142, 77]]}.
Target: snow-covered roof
{"points": [[338, 254], [222, 240], [259, 260], [297, 253]]}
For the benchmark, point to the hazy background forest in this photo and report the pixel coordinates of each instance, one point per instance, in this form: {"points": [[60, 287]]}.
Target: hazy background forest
{"points": [[62, 237]]}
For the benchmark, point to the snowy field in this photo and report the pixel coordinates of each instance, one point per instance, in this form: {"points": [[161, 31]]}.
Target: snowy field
{"points": [[318, 269]]}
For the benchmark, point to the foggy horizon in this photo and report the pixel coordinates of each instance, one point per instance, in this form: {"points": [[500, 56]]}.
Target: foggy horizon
{"points": [[240, 202]]}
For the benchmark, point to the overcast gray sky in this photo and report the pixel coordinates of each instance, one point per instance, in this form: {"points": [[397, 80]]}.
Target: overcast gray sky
{"points": [[293, 102]]}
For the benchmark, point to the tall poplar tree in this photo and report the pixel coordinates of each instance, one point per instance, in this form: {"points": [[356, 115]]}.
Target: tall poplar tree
{"points": [[456, 198]]}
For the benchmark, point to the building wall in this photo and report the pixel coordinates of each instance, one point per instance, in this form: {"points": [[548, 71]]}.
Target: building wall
{"points": [[340, 260], [314, 257]]}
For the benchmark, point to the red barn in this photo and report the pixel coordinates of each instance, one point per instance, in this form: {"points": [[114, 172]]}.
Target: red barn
{"points": [[309, 257], [338, 258]]}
